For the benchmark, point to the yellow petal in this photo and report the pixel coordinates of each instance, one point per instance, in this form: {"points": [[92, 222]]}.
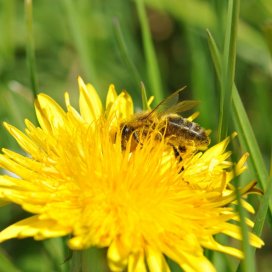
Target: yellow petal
{"points": [[193, 264], [156, 261], [235, 232], [25, 142], [215, 150], [111, 96], [50, 115], [67, 99], [89, 102], [240, 166], [117, 255], [14, 167], [150, 100], [213, 245], [120, 110], [136, 263], [32, 226], [193, 116]]}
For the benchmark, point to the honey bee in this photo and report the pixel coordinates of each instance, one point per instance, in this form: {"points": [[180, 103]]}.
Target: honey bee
{"points": [[179, 132]]}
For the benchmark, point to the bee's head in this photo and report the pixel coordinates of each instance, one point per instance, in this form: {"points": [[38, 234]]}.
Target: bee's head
{"points": [[126, 130], [126, 133]]}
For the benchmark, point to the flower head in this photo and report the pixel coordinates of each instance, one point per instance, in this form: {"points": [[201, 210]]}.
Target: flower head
{"points": [[78, 179]]}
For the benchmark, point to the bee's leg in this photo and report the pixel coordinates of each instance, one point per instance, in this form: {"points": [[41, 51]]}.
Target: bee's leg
{"points": [[136, 138], [182, 149], [177, 152]]}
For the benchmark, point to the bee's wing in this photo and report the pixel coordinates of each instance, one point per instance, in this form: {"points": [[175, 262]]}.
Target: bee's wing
{"points": [[171, 104], [180, 107]]}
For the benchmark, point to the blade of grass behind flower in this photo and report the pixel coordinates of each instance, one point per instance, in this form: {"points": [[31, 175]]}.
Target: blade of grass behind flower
{"points": [[225, 72], [124, 52], [30, 48], [202, 85], [243, 126], [248, 140], [220, 261], [80, 40], [263, 208], [150, 55], [228, 67], [215, 54]]}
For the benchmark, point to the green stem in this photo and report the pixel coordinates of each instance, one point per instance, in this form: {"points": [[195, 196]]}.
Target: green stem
{"points": [[76, 261], [92, 259], [248, 264]]}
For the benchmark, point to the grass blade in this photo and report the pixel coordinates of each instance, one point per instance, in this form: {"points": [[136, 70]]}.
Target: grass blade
{"points": [[243, 126], [150, 55], [247, 137], [80, 41], [202, 85], [91, 259], [228, 67], [263, 208], [248, 263], [30, 48], [215, 54], [124, 52], [248, 140], [261, 215]]}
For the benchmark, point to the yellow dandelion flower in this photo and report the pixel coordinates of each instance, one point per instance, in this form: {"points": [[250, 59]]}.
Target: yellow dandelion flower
{"points": [[76, 179]]}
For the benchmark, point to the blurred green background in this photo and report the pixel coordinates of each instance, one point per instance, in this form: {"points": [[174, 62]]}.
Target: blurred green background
{"points": [[102, 42]]}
